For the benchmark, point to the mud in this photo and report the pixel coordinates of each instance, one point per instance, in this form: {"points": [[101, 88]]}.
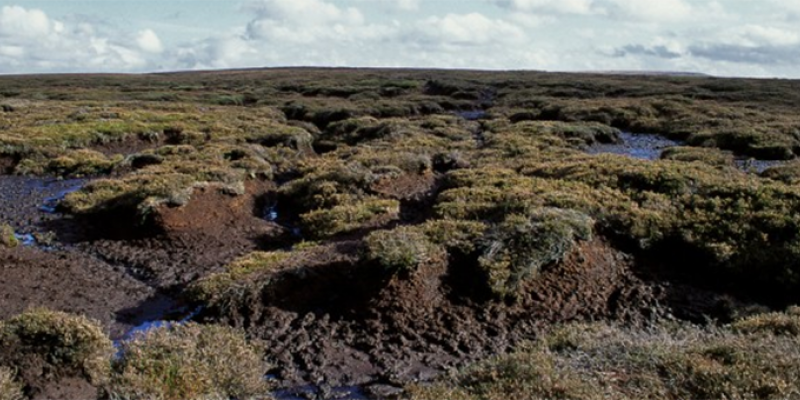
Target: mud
{"points": [[179, 244], [335, 326], [131, 278], [28, 204], [387, 331]]}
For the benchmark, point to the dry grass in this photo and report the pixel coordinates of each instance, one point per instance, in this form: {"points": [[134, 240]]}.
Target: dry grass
{"points": [[188, 362], [516, 249], [401, 250], [9, 388], [71, 345], [604, 361]]}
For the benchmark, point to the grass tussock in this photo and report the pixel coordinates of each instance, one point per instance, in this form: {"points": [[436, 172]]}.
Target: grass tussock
{"points": [[402, 250], [516, 249], [710, 156], [10, 389], [215, 286], [66, 345], [188, 362], [603, 361], [345, 218]]}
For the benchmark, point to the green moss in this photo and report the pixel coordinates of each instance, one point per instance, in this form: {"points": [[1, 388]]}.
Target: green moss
{"points": [[71, 345], [172, 180], [188, 361], [138, 193]]}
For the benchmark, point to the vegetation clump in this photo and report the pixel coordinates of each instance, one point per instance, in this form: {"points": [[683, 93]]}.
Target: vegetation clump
{"points": [[348, 217], [604, 361], [217, 285], [776, 323], [402, 250], [10, 389], [517, 248], [188, 361], [7, 236], [65, 344], [710, 156]]}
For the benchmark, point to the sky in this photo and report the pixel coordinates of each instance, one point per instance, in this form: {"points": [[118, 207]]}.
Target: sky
{"points": [[753, 38]]}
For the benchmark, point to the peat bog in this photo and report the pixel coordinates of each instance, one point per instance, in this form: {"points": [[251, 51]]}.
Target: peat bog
{"points": [[365, 233]]}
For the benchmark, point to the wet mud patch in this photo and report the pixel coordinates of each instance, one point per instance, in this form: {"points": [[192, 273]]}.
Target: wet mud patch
{"points": [[78, 283], [416, 193], [269, 208], [182, 244], [321, 392], [29, 204]]}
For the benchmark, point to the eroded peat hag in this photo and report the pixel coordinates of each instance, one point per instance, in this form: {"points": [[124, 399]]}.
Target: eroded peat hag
{"points": [[365, 229]]}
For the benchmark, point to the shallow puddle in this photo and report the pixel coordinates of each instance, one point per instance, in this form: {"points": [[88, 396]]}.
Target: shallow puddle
{"points": [[272, 214], [645, 146], [648, 146], [154, 324]]}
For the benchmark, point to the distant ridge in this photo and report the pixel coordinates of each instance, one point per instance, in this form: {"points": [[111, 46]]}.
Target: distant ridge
{"points": [[649, 73]]}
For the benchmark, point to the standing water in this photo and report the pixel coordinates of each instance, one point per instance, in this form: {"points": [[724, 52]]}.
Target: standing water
{"points": [[644, 146]]}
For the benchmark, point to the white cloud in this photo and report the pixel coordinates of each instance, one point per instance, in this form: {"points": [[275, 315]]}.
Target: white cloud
{"points": [[34, 42], [465, 29], [16, 21], [717, 36], [644, 11], [304, 12], [149, 41], [408, 5], [557, 6], [758, 35]]}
